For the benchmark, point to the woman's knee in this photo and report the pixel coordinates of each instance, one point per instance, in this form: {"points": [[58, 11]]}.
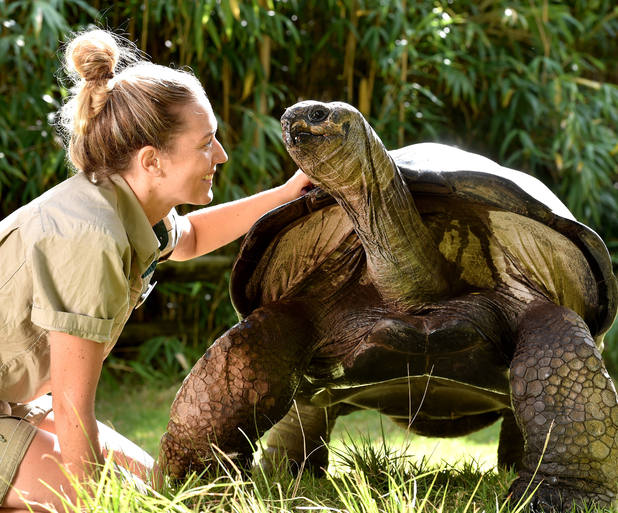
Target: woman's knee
{"points": [[125, 453], [39, 476]]}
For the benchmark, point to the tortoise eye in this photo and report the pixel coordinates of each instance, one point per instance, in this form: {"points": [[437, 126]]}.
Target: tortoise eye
{"points": [[317, 114]]}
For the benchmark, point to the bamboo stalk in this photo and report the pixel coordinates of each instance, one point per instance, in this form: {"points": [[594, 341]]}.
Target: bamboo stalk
{"points": [[363, 97], [116, 16], [226, 81], [372, 78], [145, 15], [265, 55], [541, 20], [132, 28], [365, 90], [262, 100], [350, 51], [189, 49], [264, 49], [204, 268], [226, 73], [404, 78], [186, 20]]}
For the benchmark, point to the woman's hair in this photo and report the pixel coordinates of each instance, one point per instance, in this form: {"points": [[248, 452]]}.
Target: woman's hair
{"points": [[113, 112]]}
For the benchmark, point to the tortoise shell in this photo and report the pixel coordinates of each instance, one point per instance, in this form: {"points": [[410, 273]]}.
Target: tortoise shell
{"points": [[313, 226]]}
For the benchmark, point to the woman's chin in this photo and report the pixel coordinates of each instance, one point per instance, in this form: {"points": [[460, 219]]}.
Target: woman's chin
{"points": [[205, 195], [209, 197]]}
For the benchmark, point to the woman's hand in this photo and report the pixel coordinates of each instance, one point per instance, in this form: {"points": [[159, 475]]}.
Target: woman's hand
{"points": [[213, 227], [298, 185]]}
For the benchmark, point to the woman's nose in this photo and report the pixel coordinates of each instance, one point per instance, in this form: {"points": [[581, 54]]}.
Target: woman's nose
{"points": [[221, 154]]}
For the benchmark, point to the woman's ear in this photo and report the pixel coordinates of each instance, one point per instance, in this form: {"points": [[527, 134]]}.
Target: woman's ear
{"points": [[149, 160]]}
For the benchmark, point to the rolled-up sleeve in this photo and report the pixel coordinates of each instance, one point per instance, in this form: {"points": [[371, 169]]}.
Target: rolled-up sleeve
{"points": [[80, 286]]}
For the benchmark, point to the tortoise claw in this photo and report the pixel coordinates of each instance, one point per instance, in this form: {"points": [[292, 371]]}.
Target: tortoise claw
{"points": [[546, 499], [552, 498]]}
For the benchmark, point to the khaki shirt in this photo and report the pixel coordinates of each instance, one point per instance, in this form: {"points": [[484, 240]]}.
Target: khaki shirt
{"points": [[75, 260]]}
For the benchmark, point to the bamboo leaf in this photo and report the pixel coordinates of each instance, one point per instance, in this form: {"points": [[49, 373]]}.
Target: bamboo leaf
{"points": [[235, 9], [247, 85], [198, 31], [214, 35]]}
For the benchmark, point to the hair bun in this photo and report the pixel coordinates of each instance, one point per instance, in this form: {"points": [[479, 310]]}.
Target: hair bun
{"points": [[93, 55]]}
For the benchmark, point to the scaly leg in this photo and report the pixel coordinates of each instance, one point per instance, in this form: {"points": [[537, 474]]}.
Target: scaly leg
{"points": [[563, 395], [242, 386]]}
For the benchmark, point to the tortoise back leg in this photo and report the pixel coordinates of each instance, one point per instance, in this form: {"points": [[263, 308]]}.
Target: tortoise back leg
{"points": [[563, 397], [300, 438], [511, 443], [242, 385]]}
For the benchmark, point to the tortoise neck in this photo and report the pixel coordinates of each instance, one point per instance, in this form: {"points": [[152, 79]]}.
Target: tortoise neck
{"points": [[403, 261]]}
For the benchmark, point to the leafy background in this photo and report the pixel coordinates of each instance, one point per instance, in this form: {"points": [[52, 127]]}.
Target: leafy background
{"points": [[531, 84]]}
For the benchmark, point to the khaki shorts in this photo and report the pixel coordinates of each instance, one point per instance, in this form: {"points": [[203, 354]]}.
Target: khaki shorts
{"points": [[17, 430]]}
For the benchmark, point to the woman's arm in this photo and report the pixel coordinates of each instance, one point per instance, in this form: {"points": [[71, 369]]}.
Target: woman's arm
{"points": [[75, 370], [213, 227]]}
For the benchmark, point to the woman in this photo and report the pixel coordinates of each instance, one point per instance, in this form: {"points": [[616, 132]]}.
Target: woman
{"points": [[76, 261]]}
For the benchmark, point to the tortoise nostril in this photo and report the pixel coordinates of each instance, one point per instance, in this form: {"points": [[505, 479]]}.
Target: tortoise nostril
{"points": [[317, 114]]}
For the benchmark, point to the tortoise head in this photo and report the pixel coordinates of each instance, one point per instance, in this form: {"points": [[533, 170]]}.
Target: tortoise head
{"points": [[333, 144]]}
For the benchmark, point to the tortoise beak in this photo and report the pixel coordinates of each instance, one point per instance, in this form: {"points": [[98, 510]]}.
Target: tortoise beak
{"points": [[307, 121], [300, 134], [295, 132], [302, 121]]}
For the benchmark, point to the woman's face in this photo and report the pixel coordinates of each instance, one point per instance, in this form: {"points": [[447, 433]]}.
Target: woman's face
{"points": [[191, 162]]}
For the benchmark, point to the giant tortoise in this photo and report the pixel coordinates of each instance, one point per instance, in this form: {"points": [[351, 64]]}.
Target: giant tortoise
{"points": [[427, 283]]}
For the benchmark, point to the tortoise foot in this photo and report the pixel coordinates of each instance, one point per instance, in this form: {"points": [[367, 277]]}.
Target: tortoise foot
{"points": [[177, 460], [174, 458], [567, 407], [550, 495]]}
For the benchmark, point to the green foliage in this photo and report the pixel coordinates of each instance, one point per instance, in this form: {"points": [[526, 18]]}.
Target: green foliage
{"points": [[531, 84], [159, 360], [30, 160]]}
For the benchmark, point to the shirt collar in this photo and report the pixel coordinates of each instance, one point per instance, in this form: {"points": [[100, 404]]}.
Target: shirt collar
{"points": [[141, 235]]}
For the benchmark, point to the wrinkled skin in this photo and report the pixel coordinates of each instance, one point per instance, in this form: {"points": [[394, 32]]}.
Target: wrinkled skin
{"points": [[443, 314]]}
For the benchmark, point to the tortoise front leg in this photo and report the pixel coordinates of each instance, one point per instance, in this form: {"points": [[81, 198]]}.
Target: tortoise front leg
{"points": [[562, 394], [242, 385]]}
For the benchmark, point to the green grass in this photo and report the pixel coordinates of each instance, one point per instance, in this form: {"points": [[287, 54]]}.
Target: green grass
{"points": [[375, 466], [480, 447]]}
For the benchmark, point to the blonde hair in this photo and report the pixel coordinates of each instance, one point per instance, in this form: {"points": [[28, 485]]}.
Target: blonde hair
{"points": [[113, 113]]}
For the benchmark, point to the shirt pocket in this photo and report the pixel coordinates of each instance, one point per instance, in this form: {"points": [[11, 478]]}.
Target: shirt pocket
{"points": [[15, 289], [15, 306], [12, 257]]}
